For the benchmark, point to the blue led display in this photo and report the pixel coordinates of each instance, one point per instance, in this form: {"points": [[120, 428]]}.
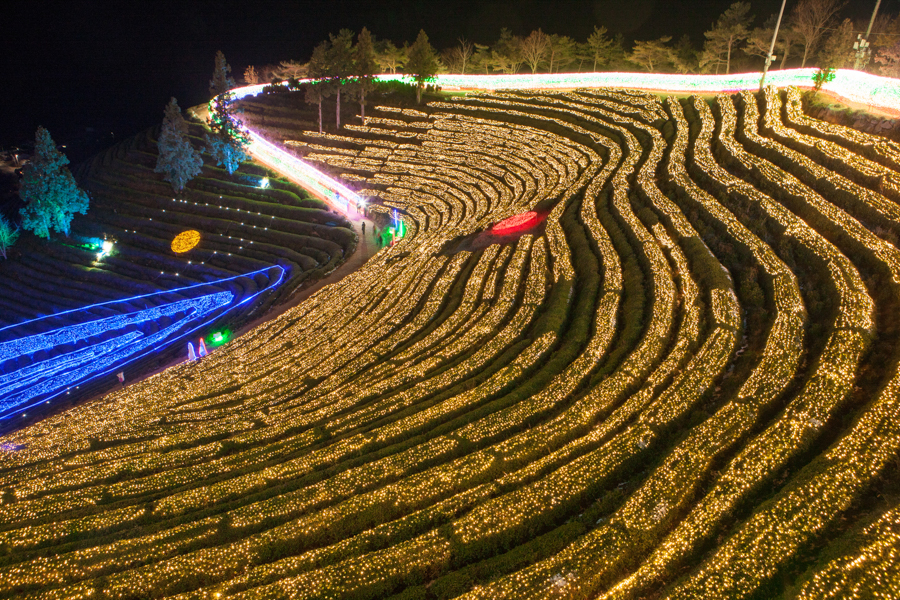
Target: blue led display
{"points": [[120, 344]]}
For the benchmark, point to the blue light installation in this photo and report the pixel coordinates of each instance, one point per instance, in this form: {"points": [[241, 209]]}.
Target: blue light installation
{"points": [[86, 360]]}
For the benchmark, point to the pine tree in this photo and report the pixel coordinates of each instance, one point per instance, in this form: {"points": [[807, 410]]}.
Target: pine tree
{"points": [[339, 66], [364, 68], [601, 47], [51, 196], [729, 30], [178, 161], [653, 55], [422, 64], [229, 140], [8, 235], [221, 82]]}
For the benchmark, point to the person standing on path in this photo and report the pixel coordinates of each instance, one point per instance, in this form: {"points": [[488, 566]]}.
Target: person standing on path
{"points": [[364, 227]]}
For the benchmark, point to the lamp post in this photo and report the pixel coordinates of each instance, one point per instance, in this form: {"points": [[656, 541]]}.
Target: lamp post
{"points": [[861, 45], [769, 56]]}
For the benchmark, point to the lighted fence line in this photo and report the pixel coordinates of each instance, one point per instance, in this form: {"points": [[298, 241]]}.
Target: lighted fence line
{"points": [[335, 193], [11, 405], [855, 86]]}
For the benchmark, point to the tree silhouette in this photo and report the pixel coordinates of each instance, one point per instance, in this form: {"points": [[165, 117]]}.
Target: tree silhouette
{"points": [[339, 67], [315, 89], [51, 196]]}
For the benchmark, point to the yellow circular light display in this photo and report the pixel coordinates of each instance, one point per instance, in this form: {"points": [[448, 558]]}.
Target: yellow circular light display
{"points": [[185, 241]]}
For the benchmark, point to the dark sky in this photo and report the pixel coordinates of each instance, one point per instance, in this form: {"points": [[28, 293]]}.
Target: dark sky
{"points": [[72, 64]]}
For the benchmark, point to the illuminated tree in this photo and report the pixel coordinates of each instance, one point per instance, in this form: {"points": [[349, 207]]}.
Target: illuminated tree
{"points": [[561, 52], [759, 40], [459, 57], [534, 49], [290, 69], [506, 56], [390, 57], [810, 19], [481, 58], [250, 75], [338, 67], [423, 63], [729, 30], [227, 143], [316, 87], [653, 55], [601, 47], [684, 56], [221, 82], [837, 50], [890, 58], [364, 68], [51, 196], [8, 235], [178, 161]]}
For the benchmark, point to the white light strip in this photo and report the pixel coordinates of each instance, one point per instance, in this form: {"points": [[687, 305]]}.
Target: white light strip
{"points": [[332, 191], [855, 86]]}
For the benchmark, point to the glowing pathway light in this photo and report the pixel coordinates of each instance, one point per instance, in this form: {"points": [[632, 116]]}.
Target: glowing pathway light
{"points": [[334, 192], [76, 354]]}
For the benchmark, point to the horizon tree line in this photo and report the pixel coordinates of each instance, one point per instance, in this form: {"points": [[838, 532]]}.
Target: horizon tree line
{"points": [[811, 33]]}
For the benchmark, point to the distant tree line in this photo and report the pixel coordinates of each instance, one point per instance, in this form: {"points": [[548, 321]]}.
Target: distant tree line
{"points": [[811, 34]]}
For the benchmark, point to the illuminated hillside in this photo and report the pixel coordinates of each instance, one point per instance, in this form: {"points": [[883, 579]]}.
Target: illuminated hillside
{"points": [[677, 378]]}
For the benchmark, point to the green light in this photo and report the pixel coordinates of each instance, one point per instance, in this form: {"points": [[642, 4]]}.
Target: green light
{"points": [[218, 337]]}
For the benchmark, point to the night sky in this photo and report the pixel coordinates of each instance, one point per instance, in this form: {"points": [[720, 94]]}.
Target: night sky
{"points": [[70, 65]]}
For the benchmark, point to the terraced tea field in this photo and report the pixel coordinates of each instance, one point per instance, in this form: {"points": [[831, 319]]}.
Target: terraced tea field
{"points": [[678, 378], [169, 252]]}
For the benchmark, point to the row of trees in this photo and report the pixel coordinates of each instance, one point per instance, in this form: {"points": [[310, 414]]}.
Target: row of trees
{"points": [[339, 66], [226, 142], [811, 33]]}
